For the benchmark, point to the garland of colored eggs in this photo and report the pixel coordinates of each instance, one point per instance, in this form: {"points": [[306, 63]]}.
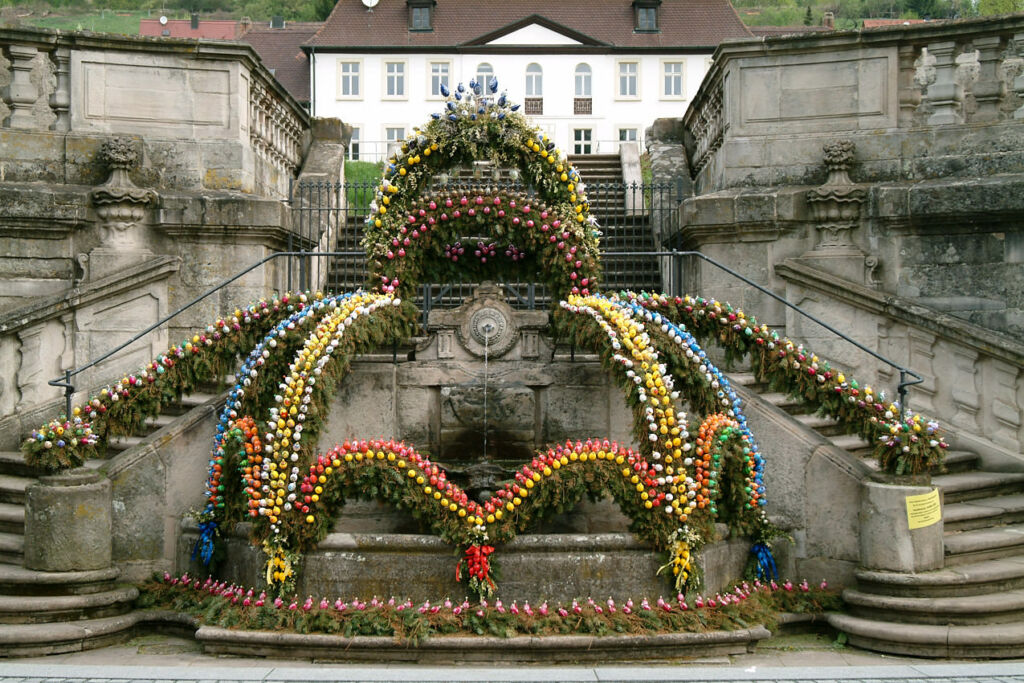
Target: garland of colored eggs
{"points": [[574, 256], [873, 417], [47, 448]]}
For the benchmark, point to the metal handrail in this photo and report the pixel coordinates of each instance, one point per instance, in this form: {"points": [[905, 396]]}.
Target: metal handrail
{"points": [[901, 388], [65, 381], [69, 389]]}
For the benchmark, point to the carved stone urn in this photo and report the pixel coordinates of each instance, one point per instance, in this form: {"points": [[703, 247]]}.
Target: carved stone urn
{"points": [[121, 207], [835, 211]]}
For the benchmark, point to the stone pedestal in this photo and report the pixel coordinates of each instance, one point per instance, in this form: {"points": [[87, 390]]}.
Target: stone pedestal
{"points": [[886, 540], [68, 522]]}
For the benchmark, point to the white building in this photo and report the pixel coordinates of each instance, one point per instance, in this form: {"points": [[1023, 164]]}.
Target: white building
{"points": [[589, 72]]}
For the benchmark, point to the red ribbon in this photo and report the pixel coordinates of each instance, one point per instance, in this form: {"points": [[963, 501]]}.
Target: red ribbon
{"points": [[477, 564]]}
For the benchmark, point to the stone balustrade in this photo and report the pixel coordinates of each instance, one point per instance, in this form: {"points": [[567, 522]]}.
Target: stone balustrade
{"points": [[763, 107], [209, 113]]}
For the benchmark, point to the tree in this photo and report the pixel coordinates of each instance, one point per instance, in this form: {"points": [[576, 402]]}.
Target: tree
{"points": [[808, 18], [990, 7]]}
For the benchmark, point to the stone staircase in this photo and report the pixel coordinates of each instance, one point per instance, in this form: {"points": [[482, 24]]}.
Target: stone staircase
{"points": [[624, 230], [974, 605], [52, 612]]}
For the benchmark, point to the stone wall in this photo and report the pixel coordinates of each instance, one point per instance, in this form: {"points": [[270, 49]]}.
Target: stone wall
{"points": [[210, 116], [137, 174], [873, 178]]}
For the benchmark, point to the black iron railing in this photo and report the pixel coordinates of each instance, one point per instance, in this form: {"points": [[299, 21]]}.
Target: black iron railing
{"points": [[677, 266]]}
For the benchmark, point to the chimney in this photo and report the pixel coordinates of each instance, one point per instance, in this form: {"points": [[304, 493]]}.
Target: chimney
{"points": [[277, 21], [195, 20], [828, 20]]}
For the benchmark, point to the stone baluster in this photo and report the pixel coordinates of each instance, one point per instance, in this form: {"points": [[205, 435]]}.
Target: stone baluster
{"points": [[23, 92], [909, 90], [922, 355], [963, 382], [1002, 414], [945, 94], [60, 100], [989, 89], [1018, 82]]}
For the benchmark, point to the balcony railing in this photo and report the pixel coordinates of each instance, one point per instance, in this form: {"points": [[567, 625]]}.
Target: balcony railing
{"points": [[900, 81], [533, 106], [582, 106]]}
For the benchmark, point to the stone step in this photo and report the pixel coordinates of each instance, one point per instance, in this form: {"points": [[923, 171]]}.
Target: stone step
{"points": [[13, 463], [990, 608], [12, 518], [956, 461], [928, 640], [17, 580], [793, 406], [749, 380], [12, 547], [122, 443], [976, 578], [984, 544], [963, 486], [852, 443], [33, 640], [12, 488], [984, 512], [39, 609], [825, 426]]}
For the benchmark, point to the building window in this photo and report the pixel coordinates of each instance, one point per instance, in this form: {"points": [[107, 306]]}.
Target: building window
{"points": [[395, 79], [348, 79], [627, 134], [646, 14], [534, 81], [581, 141], [628, 72], [394, 135], [583, 74], [439, 73], [484, 73], [673, 79], [353, 144]]}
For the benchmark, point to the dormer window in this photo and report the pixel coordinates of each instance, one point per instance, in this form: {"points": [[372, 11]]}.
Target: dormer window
{"points": [[646, 14], [421, 14]]}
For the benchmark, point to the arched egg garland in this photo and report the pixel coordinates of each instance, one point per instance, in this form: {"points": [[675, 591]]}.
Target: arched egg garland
{"points": [[671, 488], [477, 124], [682, 477]]}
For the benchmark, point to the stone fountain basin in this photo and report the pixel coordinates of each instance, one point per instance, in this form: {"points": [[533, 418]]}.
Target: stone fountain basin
{"points": [[534, 567]]}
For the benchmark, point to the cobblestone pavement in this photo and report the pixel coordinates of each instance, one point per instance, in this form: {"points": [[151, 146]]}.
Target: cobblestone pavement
{"points": [[804, 659]]}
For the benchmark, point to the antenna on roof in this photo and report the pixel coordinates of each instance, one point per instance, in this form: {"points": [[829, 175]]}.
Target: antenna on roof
{"points": [[370, 4]]}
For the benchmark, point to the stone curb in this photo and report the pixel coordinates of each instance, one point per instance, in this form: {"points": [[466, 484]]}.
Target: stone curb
{"points": [[482, 649]]}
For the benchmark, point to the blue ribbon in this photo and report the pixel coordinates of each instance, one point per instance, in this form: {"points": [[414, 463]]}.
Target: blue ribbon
{"points": [[765, 568], [204, 546]]}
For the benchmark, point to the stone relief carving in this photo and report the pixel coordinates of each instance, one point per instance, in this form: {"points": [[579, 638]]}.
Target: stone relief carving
{"points": [[121, 205], [836, 205]]}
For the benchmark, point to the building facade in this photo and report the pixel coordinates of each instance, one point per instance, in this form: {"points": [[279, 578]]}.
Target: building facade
{"points": [[591, 74]]}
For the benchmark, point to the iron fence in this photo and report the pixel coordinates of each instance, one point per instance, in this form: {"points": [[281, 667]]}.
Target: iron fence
{"points": [[330, 217]]}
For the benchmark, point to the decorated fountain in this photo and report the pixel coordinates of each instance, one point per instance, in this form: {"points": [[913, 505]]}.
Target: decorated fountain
{"points": [[626, 467]]}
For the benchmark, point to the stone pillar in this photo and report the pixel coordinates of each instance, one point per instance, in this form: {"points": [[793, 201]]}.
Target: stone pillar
{"points": [[60, 100], [945, 94], [68, 522], [1018, 82], [909, 92], [121, 208], [886, 540], [835, 209], [23, 92]]}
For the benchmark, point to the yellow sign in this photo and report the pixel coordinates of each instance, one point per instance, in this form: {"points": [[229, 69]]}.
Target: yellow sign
{"points": [[923, 510]]}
